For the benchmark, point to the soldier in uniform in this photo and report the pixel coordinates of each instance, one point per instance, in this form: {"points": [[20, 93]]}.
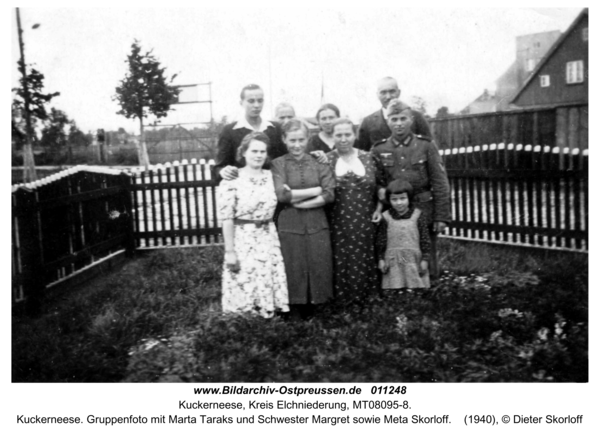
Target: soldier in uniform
{"points": [[374, 127], [416, 159]]}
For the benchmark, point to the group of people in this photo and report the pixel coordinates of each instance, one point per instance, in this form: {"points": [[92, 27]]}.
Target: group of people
{"points": [[309, 218]]}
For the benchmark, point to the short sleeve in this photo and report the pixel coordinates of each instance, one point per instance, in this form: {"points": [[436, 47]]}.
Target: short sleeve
{"points": [[226, 200], [327, 182]]}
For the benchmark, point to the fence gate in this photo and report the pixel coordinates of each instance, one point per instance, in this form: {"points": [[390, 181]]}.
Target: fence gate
{"points": [[175, 205], [65, 224]]}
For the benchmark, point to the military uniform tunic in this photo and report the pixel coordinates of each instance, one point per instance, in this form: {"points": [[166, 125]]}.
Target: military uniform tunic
{"points": [[417, 160]]}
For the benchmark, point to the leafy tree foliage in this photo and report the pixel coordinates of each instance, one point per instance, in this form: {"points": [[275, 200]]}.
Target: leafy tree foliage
{"points": [[17, 126], [37, 105], [442, 112], [29, 96], [144, 91], [37, 98], [77, 137], [54, 133], [215, 127], [419, 104]]}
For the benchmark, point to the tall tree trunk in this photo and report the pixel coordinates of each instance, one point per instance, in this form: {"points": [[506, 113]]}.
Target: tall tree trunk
{"points": [[29, 174], [142, 151]]}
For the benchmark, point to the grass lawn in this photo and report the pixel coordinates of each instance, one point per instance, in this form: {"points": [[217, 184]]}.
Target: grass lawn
{"points": [[497, 314]]}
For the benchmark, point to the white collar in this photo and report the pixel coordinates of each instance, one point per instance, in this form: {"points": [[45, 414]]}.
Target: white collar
{"points": [[243, 123], [384, 112]]}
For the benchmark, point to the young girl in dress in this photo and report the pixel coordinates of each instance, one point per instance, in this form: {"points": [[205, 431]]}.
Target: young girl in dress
{"points": [[403, 243]]}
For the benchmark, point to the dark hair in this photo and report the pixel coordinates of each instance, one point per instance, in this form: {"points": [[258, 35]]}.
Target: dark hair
{"points": [[342, 121], [328, 107], [293, 124], [399, 186], [255, 135], [249, 87]]}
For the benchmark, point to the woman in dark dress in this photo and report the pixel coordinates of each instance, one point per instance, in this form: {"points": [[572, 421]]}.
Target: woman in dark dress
{"points": [[304, 186], [323, 141], [353, 215]]}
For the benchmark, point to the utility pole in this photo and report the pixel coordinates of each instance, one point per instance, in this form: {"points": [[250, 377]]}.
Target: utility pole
{"points": [[29, 174]]}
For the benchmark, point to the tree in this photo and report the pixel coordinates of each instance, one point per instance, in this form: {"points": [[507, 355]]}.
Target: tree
{"points": [[419, 104], [29, 96], [77, 137], [215, 127], [17, 127], [54, 133], [144, 91], [37, 99], [442, 112]]}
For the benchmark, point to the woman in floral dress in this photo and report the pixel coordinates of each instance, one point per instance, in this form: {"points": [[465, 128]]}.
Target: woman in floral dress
{"points": [[253, 274], [353, 215]]}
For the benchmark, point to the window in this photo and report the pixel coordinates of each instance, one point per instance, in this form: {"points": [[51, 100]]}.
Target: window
{"points": [[575, 72], [584, 34], [544, 80], [530, 65]]}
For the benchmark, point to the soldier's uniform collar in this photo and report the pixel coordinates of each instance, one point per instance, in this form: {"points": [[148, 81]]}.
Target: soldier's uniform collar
{"points": [[406, 142]]}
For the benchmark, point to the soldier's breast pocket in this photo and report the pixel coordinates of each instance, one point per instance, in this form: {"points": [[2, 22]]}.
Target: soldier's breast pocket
{"points": [[387, 159], [419, 166]]}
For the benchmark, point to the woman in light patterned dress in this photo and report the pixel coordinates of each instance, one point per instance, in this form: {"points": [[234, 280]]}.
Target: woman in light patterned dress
{"points": [[353, 215], [254, 277]]}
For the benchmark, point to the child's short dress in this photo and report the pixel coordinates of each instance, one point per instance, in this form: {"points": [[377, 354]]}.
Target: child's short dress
{"points": [[403, 251]]}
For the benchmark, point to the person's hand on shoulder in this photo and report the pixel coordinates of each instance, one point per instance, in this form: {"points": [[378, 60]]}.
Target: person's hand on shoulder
{"points": [[229, 172], [320, 156]]}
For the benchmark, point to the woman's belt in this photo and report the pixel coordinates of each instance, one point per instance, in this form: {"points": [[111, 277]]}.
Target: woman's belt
{"points": [[257, 223]]}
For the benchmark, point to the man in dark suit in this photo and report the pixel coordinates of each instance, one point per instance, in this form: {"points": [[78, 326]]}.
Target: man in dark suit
{"points": [[374, 128]]}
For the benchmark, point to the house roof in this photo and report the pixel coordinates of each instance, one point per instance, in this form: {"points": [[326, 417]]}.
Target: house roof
{"points": [[550, 53]]}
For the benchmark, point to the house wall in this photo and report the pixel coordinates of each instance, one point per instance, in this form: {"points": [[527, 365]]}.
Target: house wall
{"points": [[532, 47], [572, 48]]}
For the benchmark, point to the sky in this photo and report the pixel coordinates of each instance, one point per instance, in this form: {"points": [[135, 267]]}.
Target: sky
{"points": [[447, 56]]}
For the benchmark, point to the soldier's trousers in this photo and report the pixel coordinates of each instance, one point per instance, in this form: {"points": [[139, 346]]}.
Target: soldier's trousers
{"points": [[427, 210]]}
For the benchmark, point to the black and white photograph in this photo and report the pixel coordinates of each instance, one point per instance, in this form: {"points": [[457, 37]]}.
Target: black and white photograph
{"points": [[298, 200]]}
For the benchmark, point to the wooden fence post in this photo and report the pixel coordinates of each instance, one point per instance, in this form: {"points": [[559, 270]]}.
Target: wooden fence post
{"points": [[126, 182], [31, 249]]}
